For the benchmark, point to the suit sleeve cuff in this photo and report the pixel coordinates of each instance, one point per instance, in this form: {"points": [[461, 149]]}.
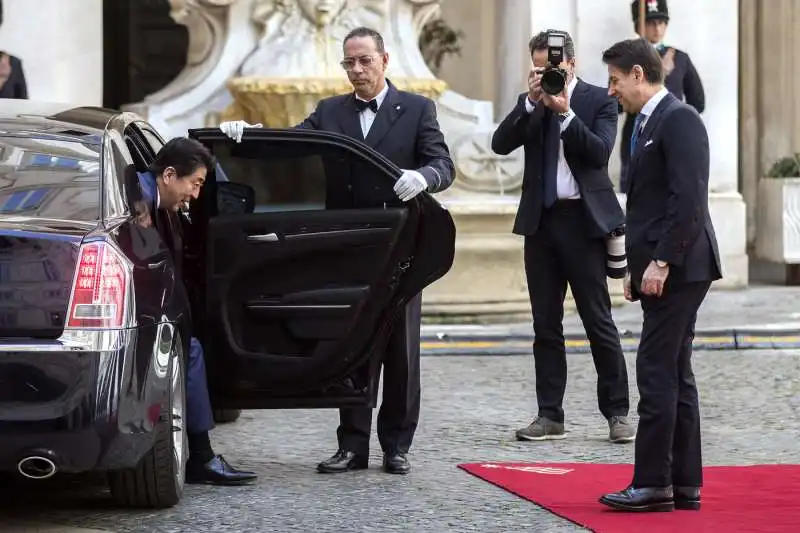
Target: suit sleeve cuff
{"points": [[431, 177], [565, 123]]}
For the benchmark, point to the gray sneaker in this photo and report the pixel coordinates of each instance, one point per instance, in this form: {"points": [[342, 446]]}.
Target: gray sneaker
{"points": [[542, 429], [620, 430]]}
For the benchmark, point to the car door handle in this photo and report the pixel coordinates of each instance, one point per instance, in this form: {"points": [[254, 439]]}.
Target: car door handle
{"points": [[160, 264], [267, 237]]}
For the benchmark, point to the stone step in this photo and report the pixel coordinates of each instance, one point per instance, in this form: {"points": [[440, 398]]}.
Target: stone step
{"points": [[517, 339]]}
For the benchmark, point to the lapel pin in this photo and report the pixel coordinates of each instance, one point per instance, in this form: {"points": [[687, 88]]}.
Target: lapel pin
{"points": [[397, 107]]}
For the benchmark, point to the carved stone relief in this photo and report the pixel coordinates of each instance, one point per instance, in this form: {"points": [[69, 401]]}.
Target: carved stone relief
{"points": [[238, 40]]}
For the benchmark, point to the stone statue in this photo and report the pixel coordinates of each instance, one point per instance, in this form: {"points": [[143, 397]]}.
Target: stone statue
{"points": [[303, 38], [283, 56]]}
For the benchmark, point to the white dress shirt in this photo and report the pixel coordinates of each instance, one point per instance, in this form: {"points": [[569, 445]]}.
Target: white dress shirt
{"points": [[651, 105], [367, 117], [567, 187]]}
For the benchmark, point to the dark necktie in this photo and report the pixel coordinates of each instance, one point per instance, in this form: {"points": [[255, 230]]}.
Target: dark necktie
{"points": [[637, 129], [550, 145], [661, 50], [361, 105]]}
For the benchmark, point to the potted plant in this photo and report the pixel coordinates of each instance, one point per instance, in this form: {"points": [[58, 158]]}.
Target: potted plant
{"points": [[778, 216]]}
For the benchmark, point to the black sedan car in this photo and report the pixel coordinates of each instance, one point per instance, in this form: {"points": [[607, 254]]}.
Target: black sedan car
{"points": [[289, 268]]}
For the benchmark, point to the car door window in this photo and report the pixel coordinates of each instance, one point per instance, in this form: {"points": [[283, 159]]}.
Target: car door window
{"points": [[297, 176], [152, 139]]}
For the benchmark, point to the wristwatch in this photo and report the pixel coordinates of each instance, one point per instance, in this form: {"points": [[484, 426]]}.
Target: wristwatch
{"points": [[564, 116], [661, 264]]}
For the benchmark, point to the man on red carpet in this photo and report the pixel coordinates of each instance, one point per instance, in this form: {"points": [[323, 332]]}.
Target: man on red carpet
{"points": [[672, 259], [566, 213]]}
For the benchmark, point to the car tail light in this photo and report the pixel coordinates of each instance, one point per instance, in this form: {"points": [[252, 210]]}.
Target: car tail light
{"points": [[100, 291]]}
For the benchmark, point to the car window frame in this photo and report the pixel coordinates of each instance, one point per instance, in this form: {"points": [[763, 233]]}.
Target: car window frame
{"points": [[117, 188], [146, 129], [353, 147]]}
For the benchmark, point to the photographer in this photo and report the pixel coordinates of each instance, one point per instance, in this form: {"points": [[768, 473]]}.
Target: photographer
{"points": [[567, 211]]}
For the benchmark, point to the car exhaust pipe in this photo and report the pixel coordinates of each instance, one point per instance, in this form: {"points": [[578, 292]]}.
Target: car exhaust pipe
{"points": [[37, 467]]}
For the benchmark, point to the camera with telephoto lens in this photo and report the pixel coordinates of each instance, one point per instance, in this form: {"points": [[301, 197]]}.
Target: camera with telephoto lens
{"points": [[554, 78], [616, 259]]}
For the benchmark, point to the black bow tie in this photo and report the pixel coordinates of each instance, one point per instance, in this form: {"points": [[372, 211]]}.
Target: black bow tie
{"points": [[361, 105]]}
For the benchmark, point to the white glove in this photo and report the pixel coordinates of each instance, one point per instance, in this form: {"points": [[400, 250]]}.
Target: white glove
{"points": [[410, 184], [235, 129]]}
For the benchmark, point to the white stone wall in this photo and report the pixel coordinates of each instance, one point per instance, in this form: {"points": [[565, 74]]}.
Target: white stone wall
{"points": [[60, 43]]}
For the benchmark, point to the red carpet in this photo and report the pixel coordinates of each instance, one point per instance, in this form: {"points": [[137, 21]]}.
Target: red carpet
{"points": [[736, 499]]}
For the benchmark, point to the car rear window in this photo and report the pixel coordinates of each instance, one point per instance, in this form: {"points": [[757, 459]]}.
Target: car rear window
{"points": [[45, 178]]}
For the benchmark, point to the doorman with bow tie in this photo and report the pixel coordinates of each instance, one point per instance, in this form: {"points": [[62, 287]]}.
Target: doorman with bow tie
{"points": [[403, 127]]}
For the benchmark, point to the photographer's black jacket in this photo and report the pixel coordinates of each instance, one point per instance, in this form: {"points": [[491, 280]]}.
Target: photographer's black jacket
{"points": [[588, 142]]}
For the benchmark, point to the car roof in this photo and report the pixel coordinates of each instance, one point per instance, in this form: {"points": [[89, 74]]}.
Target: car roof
{"points": [[48, 119]]}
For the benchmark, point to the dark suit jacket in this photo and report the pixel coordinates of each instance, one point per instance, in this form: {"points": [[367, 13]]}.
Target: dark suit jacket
{"points": [[167, 222], [15, 86], [588, 142], [667, 206], [405, 131]]}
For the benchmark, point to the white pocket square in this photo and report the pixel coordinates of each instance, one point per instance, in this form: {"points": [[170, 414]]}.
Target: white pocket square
{"points": [[648, 143]]}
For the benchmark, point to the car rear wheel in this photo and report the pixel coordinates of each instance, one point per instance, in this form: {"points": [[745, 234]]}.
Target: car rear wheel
{"points": [[158, 480], [224, 416]]}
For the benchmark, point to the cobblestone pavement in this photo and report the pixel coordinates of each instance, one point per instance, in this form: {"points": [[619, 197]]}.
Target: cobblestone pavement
{"points": [[471, 407]]}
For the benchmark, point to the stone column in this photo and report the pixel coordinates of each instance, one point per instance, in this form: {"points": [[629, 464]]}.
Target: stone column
{"points": [[60, 43], [777, 80], [749, 135], [512, 57], [770, 108]]}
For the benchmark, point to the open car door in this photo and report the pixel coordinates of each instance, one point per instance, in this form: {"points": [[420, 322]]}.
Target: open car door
{"points": [[299, 258]]}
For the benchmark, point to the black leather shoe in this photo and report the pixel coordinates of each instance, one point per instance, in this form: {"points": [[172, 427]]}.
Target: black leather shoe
{"points": [[396, 463], [646, 499], [217, 472], [343, 461], [686, 498]]}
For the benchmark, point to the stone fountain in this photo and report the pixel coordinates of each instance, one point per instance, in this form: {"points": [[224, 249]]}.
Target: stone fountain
{"points": [[270, 61], [296, 61]]}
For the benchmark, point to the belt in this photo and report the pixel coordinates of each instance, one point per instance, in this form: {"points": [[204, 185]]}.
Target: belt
{"points": [[566, 203]]}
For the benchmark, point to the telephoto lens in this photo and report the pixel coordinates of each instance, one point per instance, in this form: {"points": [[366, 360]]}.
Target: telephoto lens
{"points": [[616, 260], [554, 80]]}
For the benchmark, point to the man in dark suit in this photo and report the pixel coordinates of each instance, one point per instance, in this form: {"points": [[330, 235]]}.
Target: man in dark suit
{"points": [[567, 210], [174, 179], [403, 127], [680, 76], [673, 258]]}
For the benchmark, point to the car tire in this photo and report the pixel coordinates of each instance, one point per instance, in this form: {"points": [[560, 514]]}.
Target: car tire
{"points": [[226, 416], [157, 482]]}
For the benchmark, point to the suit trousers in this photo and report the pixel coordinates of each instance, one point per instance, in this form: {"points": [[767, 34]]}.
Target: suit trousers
{"points": [[199, 416], [559, 253], [399, 412], [668, 438]]}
